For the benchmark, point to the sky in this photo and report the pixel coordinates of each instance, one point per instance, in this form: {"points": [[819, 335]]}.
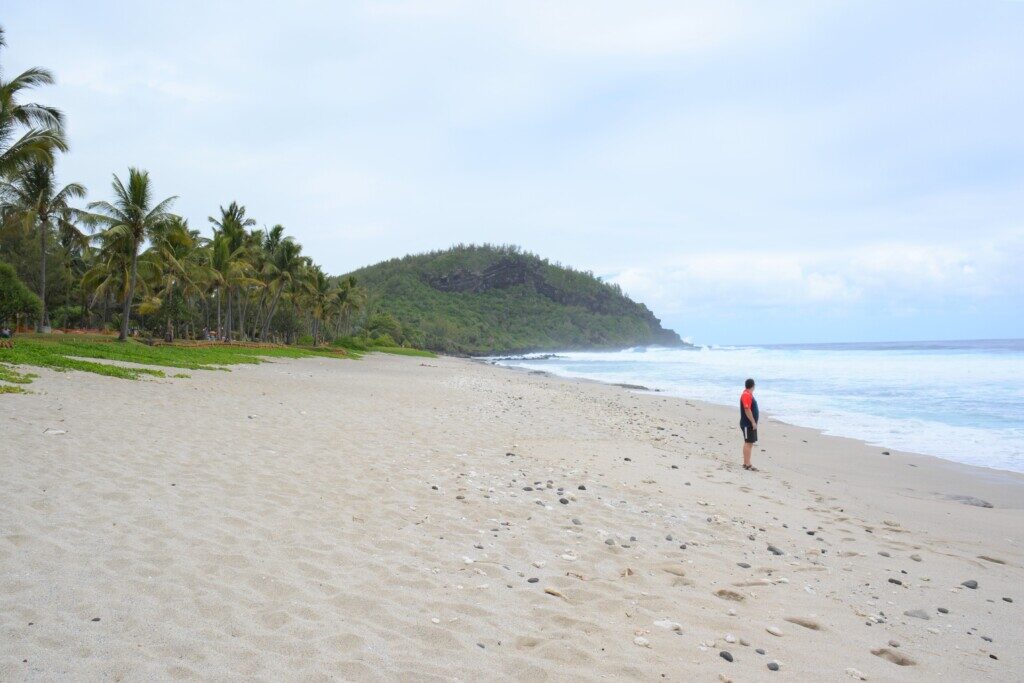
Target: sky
{"points": [[754, 172]]}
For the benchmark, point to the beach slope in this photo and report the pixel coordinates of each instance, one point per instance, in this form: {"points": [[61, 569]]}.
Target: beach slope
{"points": [[410, 519]]}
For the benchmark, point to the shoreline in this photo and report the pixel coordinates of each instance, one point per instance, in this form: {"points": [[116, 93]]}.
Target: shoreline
{"points": [[822, 432], [389, 518]]}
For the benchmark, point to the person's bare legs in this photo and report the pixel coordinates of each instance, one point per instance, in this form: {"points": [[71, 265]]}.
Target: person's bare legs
{"points": [[747, 448]]}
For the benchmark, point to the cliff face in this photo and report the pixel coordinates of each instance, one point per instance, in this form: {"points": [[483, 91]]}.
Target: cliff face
{"points": [[499, 299]]}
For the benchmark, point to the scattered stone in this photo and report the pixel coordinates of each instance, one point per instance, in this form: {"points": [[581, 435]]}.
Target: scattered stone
{"points": [[759, 651], [854, 673], [943, 610], [95, 618], [1007, 599], [885, 453], [884, 553], [581, 487], [563, 501], [972, 584], [640, 641], [726, 655], [743, 564], [773, 665], [532, 579], [896, 581], [730, 638], [609, 541], [576, 521], [893, 643], [919, 614], [775, 551], [915, 558], [774, 630]]}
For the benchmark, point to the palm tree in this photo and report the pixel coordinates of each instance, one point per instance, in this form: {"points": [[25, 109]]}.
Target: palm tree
{"points": [[322, 296], [287, 267], [131, 216], [36, 202], [43, 126], [231, 226], [173, 266]]}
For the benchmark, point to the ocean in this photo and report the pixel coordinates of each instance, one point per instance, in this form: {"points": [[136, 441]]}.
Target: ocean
{"points": [[958, 400]]}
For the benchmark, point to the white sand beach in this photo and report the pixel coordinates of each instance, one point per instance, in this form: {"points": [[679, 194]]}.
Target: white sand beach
{"points": [[440, 519]]}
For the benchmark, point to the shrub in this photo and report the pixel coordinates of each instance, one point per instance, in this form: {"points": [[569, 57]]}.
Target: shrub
{"points": [[15, 297]]}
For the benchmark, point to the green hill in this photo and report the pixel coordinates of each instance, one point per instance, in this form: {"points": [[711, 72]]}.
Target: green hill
{"points": [[486, 300]]}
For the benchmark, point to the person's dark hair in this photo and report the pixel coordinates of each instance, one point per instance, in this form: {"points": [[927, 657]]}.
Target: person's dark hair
{"points": [[749, 384]]}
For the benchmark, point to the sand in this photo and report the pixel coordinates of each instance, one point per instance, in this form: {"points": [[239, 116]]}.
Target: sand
{"points": [[400, 519]]}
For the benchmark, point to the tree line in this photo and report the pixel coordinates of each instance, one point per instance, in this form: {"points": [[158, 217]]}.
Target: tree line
{"points": [[130, 263]]}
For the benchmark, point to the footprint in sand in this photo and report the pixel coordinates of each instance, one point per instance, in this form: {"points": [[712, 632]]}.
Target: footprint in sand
{"points": [[806, 623], [894, 657]]}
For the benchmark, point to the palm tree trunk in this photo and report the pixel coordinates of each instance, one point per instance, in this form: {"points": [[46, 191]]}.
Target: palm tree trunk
{"points": [[44, 319], [127, 311], [218, 313], [270, 313], [227, 315]]}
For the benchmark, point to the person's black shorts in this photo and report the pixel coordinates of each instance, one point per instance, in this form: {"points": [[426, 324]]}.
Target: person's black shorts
{"points": [[749, 435]]}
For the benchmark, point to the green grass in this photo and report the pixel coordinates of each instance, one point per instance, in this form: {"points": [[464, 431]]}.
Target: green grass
{"points": [[9, 374], [58, 352], [8, 389]]}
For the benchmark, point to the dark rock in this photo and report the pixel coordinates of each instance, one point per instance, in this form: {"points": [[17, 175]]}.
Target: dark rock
{"points": [[773, 666], [628, 459], [581, 487], [884, 553], [95, 618], [532, 579], [896, 581], [775, 551], [972, 584], [1007, 599], [943, 610], [563, 501], [726, 655], [917, 614], [576, 522], [743, 564], [759, 651], [609, 541]]}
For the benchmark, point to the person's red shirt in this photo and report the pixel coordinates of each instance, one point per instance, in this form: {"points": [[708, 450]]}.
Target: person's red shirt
{"points": [[746, 399]]}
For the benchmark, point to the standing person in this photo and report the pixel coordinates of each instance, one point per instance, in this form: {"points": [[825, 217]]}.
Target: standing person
{"points": [[748, 422]]}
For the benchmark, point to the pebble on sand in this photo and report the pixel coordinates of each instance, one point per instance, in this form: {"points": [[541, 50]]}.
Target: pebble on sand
{"points": [[972, 584], [917, 614], [774, 630], [774, 551], [773, 665], [726, 655]]}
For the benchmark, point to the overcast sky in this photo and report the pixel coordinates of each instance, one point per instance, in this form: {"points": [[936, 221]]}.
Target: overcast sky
{"points": [[753, 172]]}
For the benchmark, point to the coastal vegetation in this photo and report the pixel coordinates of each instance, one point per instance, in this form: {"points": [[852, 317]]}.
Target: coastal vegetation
{"points": [[129, 264], [499, 299], [103, 355]]}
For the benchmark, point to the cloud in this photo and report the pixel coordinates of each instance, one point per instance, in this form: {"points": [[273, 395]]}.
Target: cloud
{"points": [[883, 276]]}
